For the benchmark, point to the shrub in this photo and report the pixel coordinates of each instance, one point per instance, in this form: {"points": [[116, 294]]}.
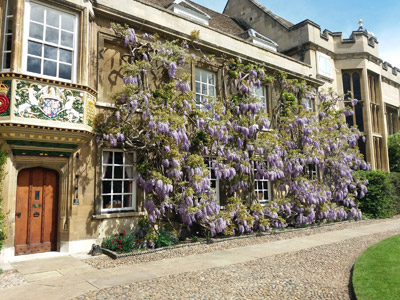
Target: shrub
{"points": [[394, 179], [380, 200], [394, 152], [166, 238], [122, 242]]}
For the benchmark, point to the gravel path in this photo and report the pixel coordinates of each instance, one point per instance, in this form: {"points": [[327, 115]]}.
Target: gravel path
{"points": [[317, 273], [104, 262], [11, 278]]}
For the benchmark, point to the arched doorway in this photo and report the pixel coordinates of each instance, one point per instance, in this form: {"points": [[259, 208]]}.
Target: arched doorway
{"points": [[36, 211]]}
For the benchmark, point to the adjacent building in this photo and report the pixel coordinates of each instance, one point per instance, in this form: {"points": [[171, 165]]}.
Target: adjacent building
{"points": [[60, 65]]}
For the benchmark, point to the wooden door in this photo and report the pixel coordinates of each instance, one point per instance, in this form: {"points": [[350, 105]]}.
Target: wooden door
{"points": [[36, 211]]}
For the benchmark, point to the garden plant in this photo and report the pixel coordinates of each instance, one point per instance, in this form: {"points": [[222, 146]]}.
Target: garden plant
{"points": [[179, 139]]}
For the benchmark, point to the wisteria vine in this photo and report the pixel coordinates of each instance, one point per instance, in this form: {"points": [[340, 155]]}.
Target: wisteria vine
{"points": [[179, 141]]}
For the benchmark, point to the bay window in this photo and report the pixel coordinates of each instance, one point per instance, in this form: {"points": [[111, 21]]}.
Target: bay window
{"points": [[7, 35], [50, 42]]}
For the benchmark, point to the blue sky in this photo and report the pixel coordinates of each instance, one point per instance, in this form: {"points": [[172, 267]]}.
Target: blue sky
{"points": [[380, 17]]}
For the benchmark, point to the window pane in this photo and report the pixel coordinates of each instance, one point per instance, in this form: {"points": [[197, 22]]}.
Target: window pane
{"points": [[211, 79], [53, 18], [117, 187], [34, 48], [8, 42], [129, 172], [66, 56], [7, 60], [9, 25], [107, 157], [119, 158], [50, 52], [34, 64], [36, 31], [51, 35], [37, 13], [49, 68], [127, 187], [106, 187], [65, 71], [67, 22], [118, 172], [117, 201], [106, 201], [127, 201], [129, 159], [67, 39], [107, 171], [197, 75], [10, 8]]}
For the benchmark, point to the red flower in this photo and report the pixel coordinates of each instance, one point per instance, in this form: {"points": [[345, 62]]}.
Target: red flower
{"points": [[112, 242], [137, 242], [4, 103], [116, 239], [120, 241], [123, 234]]}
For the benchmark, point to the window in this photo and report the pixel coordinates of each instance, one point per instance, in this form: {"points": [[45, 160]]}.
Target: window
{"points": [[262, 188], [50, 42], [205, 87], [324, 65], [118, 188], [260, 94], [7, 41], [190, 11], [392, 119], [351, 84], [311, 171], [308, 104], [214, 182]]}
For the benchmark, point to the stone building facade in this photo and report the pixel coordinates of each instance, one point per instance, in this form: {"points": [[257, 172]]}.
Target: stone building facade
{"points": [[60, 65], [345, 64]]}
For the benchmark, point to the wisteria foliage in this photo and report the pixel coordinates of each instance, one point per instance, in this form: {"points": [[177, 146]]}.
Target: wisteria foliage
{"points": [[178, 140]]}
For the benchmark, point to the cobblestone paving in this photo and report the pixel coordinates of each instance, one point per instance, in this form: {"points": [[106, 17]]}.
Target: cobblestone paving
{"points": [[317, 273], [11, 278]]}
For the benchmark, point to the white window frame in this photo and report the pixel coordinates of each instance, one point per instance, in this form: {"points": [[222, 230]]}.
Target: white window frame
{"points": [[133, 179], [324, 65], [261, 95], [209, 161], [308, 104], [26, 38], [209, 87], [312, 171], [5, 35], [257, 190]]}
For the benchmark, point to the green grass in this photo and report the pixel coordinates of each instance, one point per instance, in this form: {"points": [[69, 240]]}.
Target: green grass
{"points": [[376, 273]]}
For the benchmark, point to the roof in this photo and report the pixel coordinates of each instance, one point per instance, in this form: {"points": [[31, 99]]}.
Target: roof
{"points": [[279, 19], [218, 21]]}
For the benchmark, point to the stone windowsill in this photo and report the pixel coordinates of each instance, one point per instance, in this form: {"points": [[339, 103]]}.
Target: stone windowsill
{"points": [[118, 215]]}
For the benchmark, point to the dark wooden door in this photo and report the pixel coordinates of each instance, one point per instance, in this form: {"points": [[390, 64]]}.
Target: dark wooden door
{"points": [[36, 211]]}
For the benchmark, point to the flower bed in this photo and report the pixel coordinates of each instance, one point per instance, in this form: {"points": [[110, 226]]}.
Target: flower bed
{"points": [[116, 255]]}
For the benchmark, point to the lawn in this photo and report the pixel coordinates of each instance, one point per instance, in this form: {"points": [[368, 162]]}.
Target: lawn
{"points": [[376, 273]]}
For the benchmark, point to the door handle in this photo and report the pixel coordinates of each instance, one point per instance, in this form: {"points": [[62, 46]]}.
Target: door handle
{"points": [[18, 214], [36, 214]]}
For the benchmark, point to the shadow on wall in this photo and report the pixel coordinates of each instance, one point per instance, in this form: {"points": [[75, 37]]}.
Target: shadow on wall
{"points": [[109, 227]]}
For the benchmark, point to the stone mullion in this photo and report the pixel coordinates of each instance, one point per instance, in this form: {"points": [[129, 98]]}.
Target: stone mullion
{"points": [[367, 118], [17, 36]]}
